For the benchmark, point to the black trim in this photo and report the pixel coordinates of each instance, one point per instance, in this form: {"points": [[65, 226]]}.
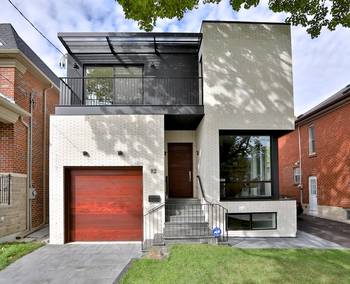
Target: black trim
{"points": [[273, 134], [251, 221]]}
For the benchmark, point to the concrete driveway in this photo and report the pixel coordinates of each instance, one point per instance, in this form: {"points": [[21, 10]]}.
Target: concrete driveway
{"points": [[71, 263], [333, 231]]}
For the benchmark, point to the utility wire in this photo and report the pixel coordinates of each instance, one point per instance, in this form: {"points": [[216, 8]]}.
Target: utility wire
{"points": [[19, 11]]}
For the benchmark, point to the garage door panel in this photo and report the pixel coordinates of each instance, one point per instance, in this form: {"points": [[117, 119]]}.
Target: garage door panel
{"points": [[107, 235], [106, 205]]}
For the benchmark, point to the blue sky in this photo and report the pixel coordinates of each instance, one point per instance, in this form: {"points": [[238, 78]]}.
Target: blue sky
{"points": [[320, 66]]}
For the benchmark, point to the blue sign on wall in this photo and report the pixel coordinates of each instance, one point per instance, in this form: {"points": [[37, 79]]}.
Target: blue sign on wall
{"points": [[216, 232]]}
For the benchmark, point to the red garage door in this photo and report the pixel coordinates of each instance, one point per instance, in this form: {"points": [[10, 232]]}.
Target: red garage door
{"points": [[104, 204]]}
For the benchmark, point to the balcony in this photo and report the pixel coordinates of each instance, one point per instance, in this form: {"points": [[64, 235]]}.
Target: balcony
{"points": [[178, 98], [131, 91]]}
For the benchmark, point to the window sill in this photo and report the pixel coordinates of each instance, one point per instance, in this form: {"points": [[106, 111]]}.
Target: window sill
{"points": [[312, 155]]}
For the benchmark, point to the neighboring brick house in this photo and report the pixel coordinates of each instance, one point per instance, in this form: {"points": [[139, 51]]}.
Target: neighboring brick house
{"points": [[321, 169], [24, 131]]}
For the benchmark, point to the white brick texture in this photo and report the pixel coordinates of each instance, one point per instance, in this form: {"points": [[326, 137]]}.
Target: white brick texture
{"points": [[140, 137]]}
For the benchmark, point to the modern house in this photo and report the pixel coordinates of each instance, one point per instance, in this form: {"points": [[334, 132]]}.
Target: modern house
{"points": [[162, 136], [315, 159], [29, 91]]}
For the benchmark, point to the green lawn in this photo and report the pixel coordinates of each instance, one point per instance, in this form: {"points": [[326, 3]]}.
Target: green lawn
{"points": [[221, 264], [10, 252]]}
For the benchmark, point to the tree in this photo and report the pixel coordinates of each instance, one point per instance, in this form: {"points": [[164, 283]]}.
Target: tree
{"points": [[312, 14]]}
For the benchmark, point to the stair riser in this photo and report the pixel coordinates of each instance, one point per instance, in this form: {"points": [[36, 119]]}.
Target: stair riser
{"points": [[183, 201], [189, 226], [186, 233], [187, 219]]}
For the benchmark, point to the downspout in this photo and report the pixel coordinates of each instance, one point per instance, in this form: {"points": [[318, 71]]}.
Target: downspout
{"points": [[30, 160], [45, 153], [300, 185], [28, 213]]}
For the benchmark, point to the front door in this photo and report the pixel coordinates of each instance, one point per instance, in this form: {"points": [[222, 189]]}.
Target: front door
{"points": [[180, 175], [313, 195]]}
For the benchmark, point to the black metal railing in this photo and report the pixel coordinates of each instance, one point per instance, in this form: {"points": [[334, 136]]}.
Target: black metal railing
{"points": [[5, 189], [195, 221], [223, 211], [95, 91], [153, 224], [184, 219]]}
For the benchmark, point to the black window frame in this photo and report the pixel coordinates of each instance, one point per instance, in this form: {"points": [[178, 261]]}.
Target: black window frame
{"points": [[251, 223], [273, 134], [87, 65]]}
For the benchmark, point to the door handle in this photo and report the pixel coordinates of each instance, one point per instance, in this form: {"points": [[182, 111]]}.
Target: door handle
{"points": [[189, 176]]}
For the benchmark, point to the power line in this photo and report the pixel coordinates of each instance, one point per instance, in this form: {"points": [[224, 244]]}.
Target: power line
{"points": [[19, 11]]}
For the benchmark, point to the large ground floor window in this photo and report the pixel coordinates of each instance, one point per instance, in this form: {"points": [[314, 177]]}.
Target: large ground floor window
{"points": [[246, 166]]}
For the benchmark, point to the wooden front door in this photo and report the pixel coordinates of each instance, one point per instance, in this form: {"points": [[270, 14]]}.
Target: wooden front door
{"points": [[105, 204], [180, 173]]}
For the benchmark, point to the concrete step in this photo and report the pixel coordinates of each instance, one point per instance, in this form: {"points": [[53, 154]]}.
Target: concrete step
{"points": [[187, 219], [186, 233], [183, 201], [188, 211]]}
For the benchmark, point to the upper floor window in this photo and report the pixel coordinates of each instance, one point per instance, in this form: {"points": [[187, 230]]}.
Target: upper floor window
{"points": [[312, 146], [245, 166], [108, 85]]}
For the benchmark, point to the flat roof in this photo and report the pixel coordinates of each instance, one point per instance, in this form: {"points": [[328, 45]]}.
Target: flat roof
{"points": [[82, 44]]}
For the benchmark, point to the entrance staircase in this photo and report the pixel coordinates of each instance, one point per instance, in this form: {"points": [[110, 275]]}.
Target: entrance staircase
{"points": [[185, 218]]}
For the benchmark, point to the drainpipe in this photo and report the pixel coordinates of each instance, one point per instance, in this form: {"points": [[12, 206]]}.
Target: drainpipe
{"points": [[300, 185], [45, 153], [29, 162], [28, 213]]}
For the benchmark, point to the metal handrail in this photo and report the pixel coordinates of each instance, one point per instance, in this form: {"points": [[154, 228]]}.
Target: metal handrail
{"points": [[211, 203], [154, 230], [202, 190]]}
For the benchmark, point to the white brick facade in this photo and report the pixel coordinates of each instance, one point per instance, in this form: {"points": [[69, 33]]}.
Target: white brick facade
{"points": [[247, 71], [140, 137]]}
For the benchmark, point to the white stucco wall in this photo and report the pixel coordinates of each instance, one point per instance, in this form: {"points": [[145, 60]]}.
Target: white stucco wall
{"points": [[247, 84], [140, 137]]}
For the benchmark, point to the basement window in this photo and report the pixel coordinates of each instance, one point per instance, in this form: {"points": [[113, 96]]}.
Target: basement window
{"points": [[347, 214], [251, 221]]}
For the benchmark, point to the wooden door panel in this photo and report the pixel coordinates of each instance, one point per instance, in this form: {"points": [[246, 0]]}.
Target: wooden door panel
{"points": [[105, 205], [180, 172]]}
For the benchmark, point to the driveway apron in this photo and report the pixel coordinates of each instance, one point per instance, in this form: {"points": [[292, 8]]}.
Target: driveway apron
{"points": [[71, 264]]}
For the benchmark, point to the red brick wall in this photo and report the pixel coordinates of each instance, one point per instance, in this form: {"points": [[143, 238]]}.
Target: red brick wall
{"points": [[331, 164], [15, 153]]}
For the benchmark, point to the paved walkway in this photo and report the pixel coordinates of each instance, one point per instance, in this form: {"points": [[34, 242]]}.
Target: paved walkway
{"points": [[333, 231], [303, 240], [71, 263]]}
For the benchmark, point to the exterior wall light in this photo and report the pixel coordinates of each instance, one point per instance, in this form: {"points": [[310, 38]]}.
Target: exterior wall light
{"points": [[86, 154], [120, 153]]}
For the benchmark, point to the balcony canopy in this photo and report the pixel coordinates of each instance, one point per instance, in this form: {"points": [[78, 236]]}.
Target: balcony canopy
{"points": [[82, 46]]}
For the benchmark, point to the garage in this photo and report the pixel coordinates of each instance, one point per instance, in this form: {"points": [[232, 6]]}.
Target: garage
{"points": [[104, 204]]}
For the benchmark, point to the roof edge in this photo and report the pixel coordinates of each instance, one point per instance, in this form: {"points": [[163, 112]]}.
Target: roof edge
{"points": [[325, 107]]}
